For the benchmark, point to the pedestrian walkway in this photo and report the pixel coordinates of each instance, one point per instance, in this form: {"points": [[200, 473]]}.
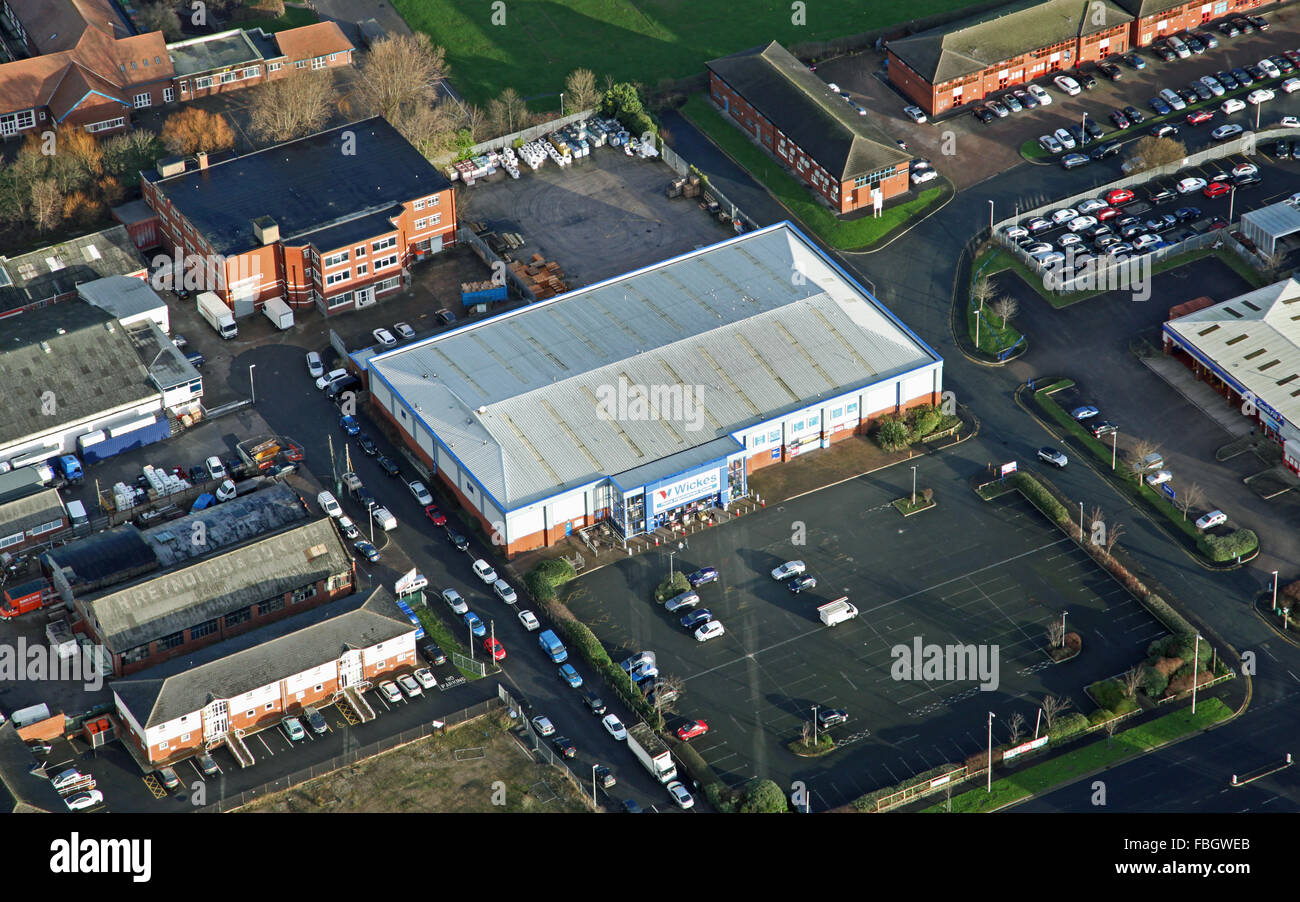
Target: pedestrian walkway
{"points": [[1211, 403]]}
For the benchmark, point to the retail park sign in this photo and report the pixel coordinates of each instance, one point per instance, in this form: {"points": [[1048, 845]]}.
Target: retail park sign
{"points": [[684, 490]]}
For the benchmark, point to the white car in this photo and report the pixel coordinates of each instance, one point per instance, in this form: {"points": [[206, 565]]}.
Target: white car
{"points": [[420, 492], [1159, 477], [504, 592], [390, 691], [1079, 223], [1065, 138], [216, 469], [1188, 185], [1091, 205], [84, 800], [833, 86], [453, 599], [409, 685], [329, 505], [226, 491], [385, 519], [1065, 214], [1259, 95], [1291, 85], [710, 630], [426, 678], [614, 726], [1212, 519], [65, 778], [1270, 69], [680, 795], [788, 569], [1049, 144], [1068, 240], [483, 570], [915, 113], [1243, 169], [315, 368], [1232, 105], [404, 330], [529, 620], [384, 337], [1289, 122], [543, 725], [329, 377], [1067, 84], [1039, 94], [348, 528], [1142, 242], [921, 176]]}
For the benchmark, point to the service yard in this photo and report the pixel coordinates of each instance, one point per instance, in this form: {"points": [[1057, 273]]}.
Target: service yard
{"points": [[968, 573], [478, 767]]}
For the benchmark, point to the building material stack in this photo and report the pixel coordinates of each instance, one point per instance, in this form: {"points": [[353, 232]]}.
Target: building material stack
{"points": [[544, 278]]}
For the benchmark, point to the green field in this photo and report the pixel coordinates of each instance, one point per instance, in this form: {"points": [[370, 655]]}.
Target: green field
{"points": [[541, 41], [294, 17]]}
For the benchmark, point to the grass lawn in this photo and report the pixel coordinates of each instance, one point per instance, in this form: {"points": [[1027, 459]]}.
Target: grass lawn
{"points": [[435, 630], [994, 335], [293, 17], [840, 234], [905, 506], [541, 41], [1090, 758]]}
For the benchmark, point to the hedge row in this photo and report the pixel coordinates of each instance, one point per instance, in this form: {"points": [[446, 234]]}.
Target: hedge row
{"points": [[867, 803], [1220, 549]]}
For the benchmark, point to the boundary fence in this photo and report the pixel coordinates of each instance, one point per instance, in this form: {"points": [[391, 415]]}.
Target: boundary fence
{"points": [[683, 167]]}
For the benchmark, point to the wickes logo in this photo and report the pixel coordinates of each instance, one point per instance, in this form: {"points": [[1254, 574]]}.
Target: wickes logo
{"points": [[946, 662], [103, 856]]}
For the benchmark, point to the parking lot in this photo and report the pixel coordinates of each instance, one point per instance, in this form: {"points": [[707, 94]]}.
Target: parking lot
{"points": [[601, 216], [965, 573]]}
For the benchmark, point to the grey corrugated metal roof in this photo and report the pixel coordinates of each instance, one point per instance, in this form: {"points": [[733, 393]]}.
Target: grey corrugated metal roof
{"points": [[986, 39], [1143, 8], [212, 52], [1255, 338], [169, 602], [34, 510], [78, 352], [185, 685], [1277, 220], [103, 559], [121, 295], [754, 327], [807, 112], [234, 521]]}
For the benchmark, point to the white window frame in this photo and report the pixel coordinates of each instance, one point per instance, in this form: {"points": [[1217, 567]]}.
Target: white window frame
{"points": [[231, 76], [419, 204], [106, 124], [359, 251], [385, 244], [274, 67], [318, 62], [338, 300], [336, 259], [435, 219], [300, 64], [385, 262], [433, 201], [202, 82], [169, 94], [143, 100], [252, 71], [335, 278], [361, 270], [421, 224]]}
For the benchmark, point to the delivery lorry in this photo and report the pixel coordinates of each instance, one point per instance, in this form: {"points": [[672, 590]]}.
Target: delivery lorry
{"points": [[19, 599], [837, 611], [218, 315], [652, 752], [279, 313]]}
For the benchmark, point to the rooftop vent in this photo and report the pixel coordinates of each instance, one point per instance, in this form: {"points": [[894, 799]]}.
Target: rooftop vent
{"points": [[169, 166], [266, 229], [482, 410]]}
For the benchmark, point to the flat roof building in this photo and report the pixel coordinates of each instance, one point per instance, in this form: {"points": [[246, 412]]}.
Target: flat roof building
{"points": [[654, 394], [54, 273]]}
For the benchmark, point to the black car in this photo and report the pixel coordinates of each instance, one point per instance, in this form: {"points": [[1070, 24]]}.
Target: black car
{"points": [[1282, 149], [1162, 222], [1202, 91], [195, 358], [1100, 231], [800, 583], [984, 114], [564, 745], [1207, 38], [1165, 52], [1246, 180], [1105, 427], [604, 776], [1229, 29], [367, 444], [338, 387], [1188, 95], [1111, 71], [1244, 25], [1087, 81], [1225, 78], [631, 807], [316, 721], [1193, 44], [1242, 77], [365, 499], [1187, 214], [702, 576], [1161, 196], [829, 717], [594, 702], [1120, 120], [1134, 115], [199, 474], [432, 653], [1256, 73], [1079, 135], [696, 619], [387, 464], [1109, 149], [459, 541], [1258, 21], [1131, 229], [1094, 130]]}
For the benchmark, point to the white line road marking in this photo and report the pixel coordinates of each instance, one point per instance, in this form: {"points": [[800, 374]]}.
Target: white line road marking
{"points": [[1294, 677], [849, 681]]}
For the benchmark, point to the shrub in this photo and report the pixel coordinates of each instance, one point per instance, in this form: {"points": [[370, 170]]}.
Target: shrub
{"points": [[923, 421], [1220, 549], [763, 796], [672, 585], [1068, 725], [892, 433], [1107, 693], [1153, 681], [927, 495], [1073, 642], [546, 576], [720, 797], [1040, 497], [1167, 667]]}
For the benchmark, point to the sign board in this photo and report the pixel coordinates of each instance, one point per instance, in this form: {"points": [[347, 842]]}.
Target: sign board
{"points": [[1025, 747], [410, 581], [1009, 467], [684, 490], [1168, 490]]}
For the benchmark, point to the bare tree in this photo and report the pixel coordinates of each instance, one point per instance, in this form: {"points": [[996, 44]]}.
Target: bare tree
{"points": [[1053, 706], [580, 89], [194, 128], [1016, 725], [1131, 679], [1006, 307], [508, 113], [159, 16], [672, 688], [1096, 518], [1110, 726], [1113, 532], [806, 732], [1055, 633], [1270, 269], [1142, 448], [46, 208], [1150, 152], [981, 290], [293, 106], [399, 72], [430, 129], [1191, 497], [474, 119]]}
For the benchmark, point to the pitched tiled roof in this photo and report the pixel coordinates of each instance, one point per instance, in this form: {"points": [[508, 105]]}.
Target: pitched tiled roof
{"points": [[974, 44], [1143, 8], [54, 25], [77, 85], [312, 40], [800, 104]]}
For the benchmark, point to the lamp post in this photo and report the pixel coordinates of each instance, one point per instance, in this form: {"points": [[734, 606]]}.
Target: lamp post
{"points": [[1232, 197], [1080, 521], [814, 726], [1114, 442], [1196, 659], [561, 104], [1275, 590], [989, 787], [1063, 613], [594, 766], [252, 389], [370, 513], [990, 217], [914, 486]]}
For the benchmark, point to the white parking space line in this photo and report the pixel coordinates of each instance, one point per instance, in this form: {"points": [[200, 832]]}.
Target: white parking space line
{"points": [[265, 746]]}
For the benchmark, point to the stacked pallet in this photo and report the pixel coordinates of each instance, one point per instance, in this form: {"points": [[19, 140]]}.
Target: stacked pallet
{"points": [[544, 278]]}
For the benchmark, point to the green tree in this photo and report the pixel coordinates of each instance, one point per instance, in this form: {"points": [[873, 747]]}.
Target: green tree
{"points": [[893, 433], [763, 796]]}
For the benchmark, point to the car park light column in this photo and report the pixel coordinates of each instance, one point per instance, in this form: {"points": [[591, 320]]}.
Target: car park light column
{"points": [[594, 766], [252, 389], [1275, 590], [1114, 444], [990, 758], [370, 512]]}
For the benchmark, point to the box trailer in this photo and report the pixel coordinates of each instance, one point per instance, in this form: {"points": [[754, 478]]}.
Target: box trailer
{"points": [[651, 751], [837, 612], [279, 313]]}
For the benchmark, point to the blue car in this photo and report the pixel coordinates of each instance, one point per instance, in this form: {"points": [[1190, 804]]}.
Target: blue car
{"points": [[350, 425], [1158, 104], [697, 619], [570, 676], [475, 625], [1135, 61], [702, 576], [367, 551]]}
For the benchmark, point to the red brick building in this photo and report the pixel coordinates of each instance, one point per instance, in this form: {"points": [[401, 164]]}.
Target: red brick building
{"points": [[86, 67], [791, 112], [172, 712], [332, 220], [1153, 19]]}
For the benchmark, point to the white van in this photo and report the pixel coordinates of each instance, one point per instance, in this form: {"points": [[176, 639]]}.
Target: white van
{"points": [[77, 514]]}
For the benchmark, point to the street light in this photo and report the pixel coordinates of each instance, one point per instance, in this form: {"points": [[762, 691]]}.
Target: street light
{"points": [[990, 217], [561, 103], [1063, 613], [370, 512], [1275, 590], [914, 486], [815, 726], [1114, 442], [251, 387], [594, 766], [1196, 660], [990, 761], [1232, 197]]}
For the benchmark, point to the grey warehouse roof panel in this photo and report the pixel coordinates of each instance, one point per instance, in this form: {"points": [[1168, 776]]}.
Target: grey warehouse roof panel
{"points": [[304, 185], [34, 510], [754, 327], [102, 559], [1278, 220], [262, 657], [169, 602]]}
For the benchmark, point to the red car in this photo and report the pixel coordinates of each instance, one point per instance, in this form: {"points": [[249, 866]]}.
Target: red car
{"points": [[437, 516], [494, 648], [1199, 116], [1214, 189], [1117, 196], [692, 729], [292, 452], [1106, 213]]}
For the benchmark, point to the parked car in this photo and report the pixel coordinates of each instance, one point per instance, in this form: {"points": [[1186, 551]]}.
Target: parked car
{"points": [[83, 800], [1065, 139], [1215, 189], [208, 765], [1053, 456], [493, 647], [404, 330], [1190, 184], [984, 114], [680, 601], [384, 337], [564, 745], [409, 685], [695, 619], [1232, 105], [570, 676], [433, 654], [477, 628], [710, 630], [831, 717], [1110, 70], [1049, 144], [1258, 96], [1134, 60], [915, 113], [1067, 84], [680, 795], [367, 444], [1198, 116], [456, 540], [455, 601], [543, 725], [1159, 477], [420, 492], [1040, 94], [802, 583], [614, 726], [390, 691], [702, 576], [504, 591], [692, 730], [529, 620], [788, 569], [1084, 412], [483, 570], [1212, 519], [1224, 132]]}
